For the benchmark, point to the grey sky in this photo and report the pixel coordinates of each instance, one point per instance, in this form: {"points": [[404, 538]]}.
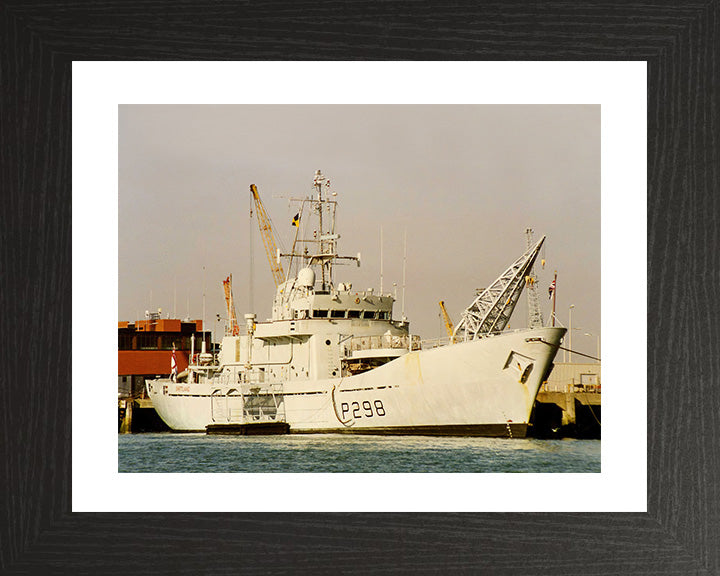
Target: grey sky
{"points": [[465, 181]]}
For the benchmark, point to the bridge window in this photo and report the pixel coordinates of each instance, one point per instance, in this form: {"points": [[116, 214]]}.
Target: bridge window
{"points": [[368, 314], [353, 313], [337, 313], [320, 313]]}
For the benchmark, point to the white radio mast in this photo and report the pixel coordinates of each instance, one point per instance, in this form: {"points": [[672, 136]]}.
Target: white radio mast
{"points": [[381, 261], [404, 266]]}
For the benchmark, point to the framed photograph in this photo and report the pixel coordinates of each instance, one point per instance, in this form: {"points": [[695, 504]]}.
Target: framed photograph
{"points": [[651, 508], [482, 168]]}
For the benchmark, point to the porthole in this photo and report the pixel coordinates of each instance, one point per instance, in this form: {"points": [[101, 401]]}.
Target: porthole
{"points": [[327, 342]]}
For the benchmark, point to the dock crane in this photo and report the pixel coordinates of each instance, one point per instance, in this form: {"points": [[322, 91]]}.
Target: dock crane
{"points": [[449, 327], [268, 238], [234, 327]]}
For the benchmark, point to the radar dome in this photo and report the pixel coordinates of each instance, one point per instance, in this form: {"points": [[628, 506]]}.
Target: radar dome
{"points": [[306, 277]]}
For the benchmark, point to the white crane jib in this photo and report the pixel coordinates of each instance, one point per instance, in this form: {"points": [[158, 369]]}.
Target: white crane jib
{"points": [[491, 310], [535, 319]]}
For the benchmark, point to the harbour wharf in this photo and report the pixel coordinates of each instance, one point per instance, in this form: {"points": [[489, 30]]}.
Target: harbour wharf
{"points": [[138, 415], [569, 403]]}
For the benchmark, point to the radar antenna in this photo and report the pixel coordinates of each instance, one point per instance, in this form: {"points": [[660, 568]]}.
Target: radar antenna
{"points": [[491, 310]]}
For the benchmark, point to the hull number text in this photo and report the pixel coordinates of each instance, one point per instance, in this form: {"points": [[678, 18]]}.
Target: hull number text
{"points": [[364, 410]]}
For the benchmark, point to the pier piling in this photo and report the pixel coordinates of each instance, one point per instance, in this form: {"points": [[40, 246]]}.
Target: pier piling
{"points": [[126, 426]]}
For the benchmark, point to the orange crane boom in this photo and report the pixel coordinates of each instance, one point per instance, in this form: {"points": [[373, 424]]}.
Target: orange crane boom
{"points": [[449, 327], [268, 238], [234, 327]]}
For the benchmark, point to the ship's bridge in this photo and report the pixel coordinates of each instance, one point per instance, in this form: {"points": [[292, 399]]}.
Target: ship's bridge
{"points": [[295, 301], [346, 304]]}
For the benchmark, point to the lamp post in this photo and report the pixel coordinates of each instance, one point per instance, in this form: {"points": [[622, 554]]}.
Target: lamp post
{"points": [[570, 339], [598, 345]]}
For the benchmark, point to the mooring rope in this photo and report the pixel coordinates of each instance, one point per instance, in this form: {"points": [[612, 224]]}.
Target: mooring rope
{"points": [[579, 354], [590, 407], [347, 423], [561, 348]]}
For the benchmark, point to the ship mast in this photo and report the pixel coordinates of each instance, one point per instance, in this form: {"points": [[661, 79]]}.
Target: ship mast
{"points": [[325, 240], [324, 264]]}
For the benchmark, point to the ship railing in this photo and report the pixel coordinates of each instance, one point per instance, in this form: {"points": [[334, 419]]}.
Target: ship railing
{"points": [[444, 341], [273, 388], [429, 343], [248, 402], [203, 360], [253, 377], [498, 333], [240, 415], [570, 388], [385, 341], [227, 379]]}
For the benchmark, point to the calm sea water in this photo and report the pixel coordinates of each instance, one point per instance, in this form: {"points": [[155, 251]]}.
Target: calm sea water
{"points": [[168, 452]]}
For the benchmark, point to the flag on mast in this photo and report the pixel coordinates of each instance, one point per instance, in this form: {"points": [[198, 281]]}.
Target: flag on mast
{"points": [[173, 365], [551, 289], [296, 220]]}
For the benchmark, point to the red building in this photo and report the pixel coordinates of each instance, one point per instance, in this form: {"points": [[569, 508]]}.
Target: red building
{"points": [[145, 350]]}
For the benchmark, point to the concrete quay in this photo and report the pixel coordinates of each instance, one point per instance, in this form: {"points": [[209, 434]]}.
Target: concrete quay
{"points": [[568, 405], [566, 415], [138, 415]]}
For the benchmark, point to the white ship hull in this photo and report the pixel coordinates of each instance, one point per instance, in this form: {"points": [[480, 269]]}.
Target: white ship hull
{"points": [[333, 359], [483, 387]]}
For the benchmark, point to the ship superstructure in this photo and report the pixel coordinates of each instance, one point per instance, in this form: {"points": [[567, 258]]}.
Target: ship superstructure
{"points": [[333, 359]]}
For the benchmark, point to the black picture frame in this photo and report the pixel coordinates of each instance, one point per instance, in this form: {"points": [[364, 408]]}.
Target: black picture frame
{"points": [[680, 533]]}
